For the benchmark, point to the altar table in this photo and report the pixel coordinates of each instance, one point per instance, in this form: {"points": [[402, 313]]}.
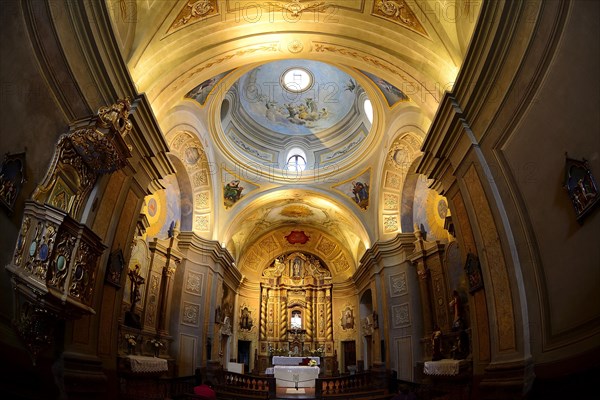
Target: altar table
{"points": [[445, 367], [147, 364], [295, 376], [283, 360]]}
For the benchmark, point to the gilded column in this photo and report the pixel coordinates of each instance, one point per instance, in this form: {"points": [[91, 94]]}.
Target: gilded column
{"points": [[282, 317], [263, 314], [329, 313], [308, 326]]}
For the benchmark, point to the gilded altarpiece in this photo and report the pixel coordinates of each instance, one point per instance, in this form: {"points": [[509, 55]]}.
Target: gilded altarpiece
{"points": [[295, 310]]}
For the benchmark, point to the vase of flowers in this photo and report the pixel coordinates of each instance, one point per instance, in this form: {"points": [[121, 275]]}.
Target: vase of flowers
{"points": [[312, 363], [156, 346], [131, 341]]}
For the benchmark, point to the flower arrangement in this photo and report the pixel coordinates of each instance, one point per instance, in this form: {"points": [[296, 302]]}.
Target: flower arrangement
{"points": [[317, 352], [312, 363], [277, 352], [131, 340], [156, 343]]}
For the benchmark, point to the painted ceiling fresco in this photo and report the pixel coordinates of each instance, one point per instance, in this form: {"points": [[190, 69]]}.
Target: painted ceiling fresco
{"points": [[327, 99], [391, 93]]}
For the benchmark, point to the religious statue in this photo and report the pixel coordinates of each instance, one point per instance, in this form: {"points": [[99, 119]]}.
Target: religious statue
{"points": [[131, 318], [296, 267], [456, 305], [136, 281], [436, 345]]}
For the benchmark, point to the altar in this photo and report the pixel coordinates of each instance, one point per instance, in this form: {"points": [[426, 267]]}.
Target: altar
{"points": [[284, 360], [295, 376]]}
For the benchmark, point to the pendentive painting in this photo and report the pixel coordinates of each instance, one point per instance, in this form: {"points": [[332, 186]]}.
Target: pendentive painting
{"points": [[357, 189]]}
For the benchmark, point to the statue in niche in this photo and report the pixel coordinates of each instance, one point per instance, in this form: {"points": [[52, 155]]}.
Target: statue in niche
{"points": [[297, 267], [296, 320]]}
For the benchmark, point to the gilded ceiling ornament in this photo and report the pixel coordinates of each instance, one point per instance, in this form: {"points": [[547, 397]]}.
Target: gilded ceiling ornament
{"points": [[390, 201], [295, 8], [390, 223], [295, 46], [297, 237], [326, 246], [399, 157], [399, 12], [267, 47], [194, 11], [296, 211]]}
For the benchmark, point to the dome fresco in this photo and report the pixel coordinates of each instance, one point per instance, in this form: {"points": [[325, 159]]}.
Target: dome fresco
{"points": [[315, 98]]}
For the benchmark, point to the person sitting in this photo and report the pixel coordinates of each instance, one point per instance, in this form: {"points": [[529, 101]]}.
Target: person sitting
{"points": [[204, 391]]}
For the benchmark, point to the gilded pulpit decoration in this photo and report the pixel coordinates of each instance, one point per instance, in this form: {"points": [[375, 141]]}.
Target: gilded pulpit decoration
{"points": [[194, 11], [55, 263], [399, 12]]}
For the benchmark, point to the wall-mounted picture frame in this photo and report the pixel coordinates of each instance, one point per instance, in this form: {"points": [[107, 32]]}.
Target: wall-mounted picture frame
{"points": [[114, 269], [12, 178], [473, 271], [581, 187]]}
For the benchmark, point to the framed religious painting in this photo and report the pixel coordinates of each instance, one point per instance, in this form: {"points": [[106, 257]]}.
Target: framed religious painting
{"points": [[12, 178], [473, 272], [581, 187], [114, 269]]}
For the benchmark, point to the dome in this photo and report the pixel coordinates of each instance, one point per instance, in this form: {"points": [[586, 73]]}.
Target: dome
{"points": [[314, 112]]}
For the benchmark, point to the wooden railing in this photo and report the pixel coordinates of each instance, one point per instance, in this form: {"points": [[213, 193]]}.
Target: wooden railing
{"points": [[349, 386], [243, 384]]}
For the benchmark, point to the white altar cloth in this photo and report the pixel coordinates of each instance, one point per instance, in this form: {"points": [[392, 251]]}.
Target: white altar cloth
{"points": [[147, 364], [290, 376], [283, 360], [446, 367]]}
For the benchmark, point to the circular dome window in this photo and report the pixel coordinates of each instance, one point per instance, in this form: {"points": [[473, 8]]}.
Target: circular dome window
{"points": [[296, 80]]}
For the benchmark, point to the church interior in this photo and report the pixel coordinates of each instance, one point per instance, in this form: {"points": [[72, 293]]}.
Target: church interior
{"points": [[406, 189]]}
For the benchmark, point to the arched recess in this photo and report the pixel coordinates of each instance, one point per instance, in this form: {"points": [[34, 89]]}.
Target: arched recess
{"points": [[187, 148], [423, 208], [185, 193], [398, 162], [408, 197], [366, 321]]}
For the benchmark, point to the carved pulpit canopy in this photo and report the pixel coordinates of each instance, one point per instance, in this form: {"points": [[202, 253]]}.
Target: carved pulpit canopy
{"points": [[93, 146]]}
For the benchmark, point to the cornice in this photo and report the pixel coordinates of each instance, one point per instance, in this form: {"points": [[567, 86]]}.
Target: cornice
{"points": [[373, 257], [190, 242]]}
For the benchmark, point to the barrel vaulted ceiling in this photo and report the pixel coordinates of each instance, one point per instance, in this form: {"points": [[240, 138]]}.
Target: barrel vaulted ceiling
{"points": [[199, 62]]}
